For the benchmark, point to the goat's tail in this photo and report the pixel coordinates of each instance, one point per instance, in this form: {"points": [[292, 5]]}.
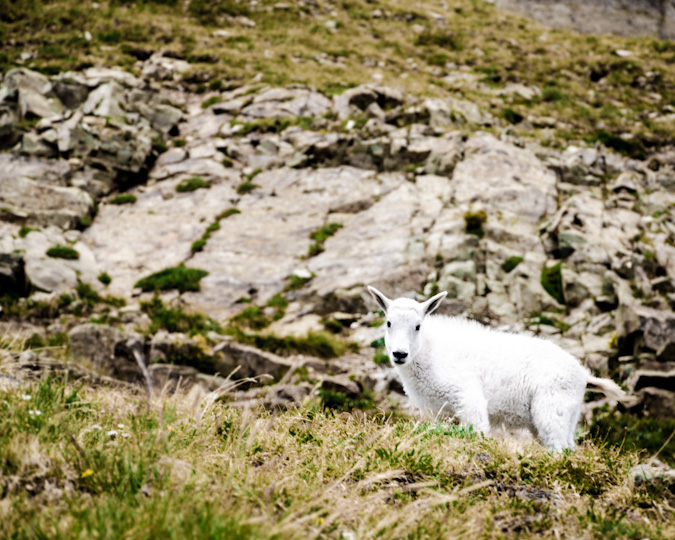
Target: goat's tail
{"points": [[609, 388]]}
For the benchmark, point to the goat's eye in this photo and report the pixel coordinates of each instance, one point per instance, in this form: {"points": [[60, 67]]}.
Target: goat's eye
{"points": [[417, 328], [388, 324]]}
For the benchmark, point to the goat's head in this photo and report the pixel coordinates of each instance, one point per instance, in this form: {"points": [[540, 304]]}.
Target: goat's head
{"points": [[405, 319]]}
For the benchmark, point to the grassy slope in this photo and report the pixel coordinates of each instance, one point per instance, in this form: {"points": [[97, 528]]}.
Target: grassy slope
{"points": [[194, 468], [592, 92]]}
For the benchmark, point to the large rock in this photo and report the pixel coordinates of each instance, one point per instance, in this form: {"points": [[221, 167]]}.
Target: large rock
{"points": [[641, 328], [33, 203], [94, 344]]}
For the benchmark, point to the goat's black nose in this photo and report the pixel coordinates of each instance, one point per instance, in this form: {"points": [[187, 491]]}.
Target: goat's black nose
{"points": [[400, 356]]}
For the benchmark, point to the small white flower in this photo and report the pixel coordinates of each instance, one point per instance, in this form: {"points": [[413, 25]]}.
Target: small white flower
{"points": [[35, 412], [121, 426], [96, 427], [26, 397], [113, 433], [126, 435]]}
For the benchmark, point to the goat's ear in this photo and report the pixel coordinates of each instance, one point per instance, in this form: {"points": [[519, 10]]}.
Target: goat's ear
{"points": [[430, 305], [381, 299]]}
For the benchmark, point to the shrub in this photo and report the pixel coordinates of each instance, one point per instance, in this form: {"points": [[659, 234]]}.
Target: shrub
{"points": [[62, 252], [177, 277], [105, 278]]}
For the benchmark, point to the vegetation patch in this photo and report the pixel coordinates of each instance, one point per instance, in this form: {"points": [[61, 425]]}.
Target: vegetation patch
{"points": [[25, 231], [176, 320], [63, 252], [551, 281], [474, 223], [381, 358], [105, 278], [192, 184], [332, 399], [320, 236], [272, 125], [198, 245], [297, 282], [246, 187], [211, 101], [319, 344], [177, 277], [511, 263], [125, 198]]}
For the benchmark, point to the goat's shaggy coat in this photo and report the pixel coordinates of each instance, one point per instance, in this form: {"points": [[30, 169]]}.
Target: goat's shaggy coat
{"points": [[459, 368]]}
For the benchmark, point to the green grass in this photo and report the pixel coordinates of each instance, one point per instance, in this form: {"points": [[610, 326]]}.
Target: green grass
{"points": [[319, 344], [246, 187], [198, 245], [125, 198], [25, 231], [381, 358], [511, 263], [551, 281], [105, 278], [63, 252], [176, 320], [178, 277], [211, 101], [192, 184], [194, 468], [320, 236], [297, 282]]}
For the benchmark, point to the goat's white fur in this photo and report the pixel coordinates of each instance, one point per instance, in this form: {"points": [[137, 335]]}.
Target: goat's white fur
{"points": [[459, 368]]}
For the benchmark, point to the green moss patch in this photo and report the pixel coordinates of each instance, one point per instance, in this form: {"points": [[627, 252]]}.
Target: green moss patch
{"points": [[25, 231], [320, 236], [125, 198], [177, 277], [192, 184], [176, 320], [63, 252], [319, 344], [511, 263], [551, 281]]}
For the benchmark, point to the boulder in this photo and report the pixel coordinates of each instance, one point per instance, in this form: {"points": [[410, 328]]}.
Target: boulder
{"points": [[244, 361], [94, 344], [643, 328], [35, 203], [13, 275]]}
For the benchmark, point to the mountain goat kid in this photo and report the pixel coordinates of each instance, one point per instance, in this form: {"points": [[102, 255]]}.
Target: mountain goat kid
{"points": [[483, 377]]}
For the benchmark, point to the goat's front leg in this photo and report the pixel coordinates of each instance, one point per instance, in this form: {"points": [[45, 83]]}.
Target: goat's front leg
{"points": [[473, 410]]}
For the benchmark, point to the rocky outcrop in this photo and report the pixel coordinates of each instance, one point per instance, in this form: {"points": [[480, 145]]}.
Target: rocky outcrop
{"points": [[286, 197]]}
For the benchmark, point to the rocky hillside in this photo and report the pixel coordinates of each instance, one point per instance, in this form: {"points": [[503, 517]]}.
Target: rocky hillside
{"points": [[167, 223], [620, 17]]}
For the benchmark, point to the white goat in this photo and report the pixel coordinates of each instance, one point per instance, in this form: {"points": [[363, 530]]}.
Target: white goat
{"points": [[483, 377]]}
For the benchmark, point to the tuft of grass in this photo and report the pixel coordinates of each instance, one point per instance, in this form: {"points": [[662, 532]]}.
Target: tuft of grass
{"points": [[176, 320], [512, 116], [25, 231], [511, 263], [192, 184], [246, 187], [253, 318], [227, 213], [87, 294], [320, 236], [551, 281], [125, 198], [211, 101], [332, 399], [176, 277], [297, 282], [105, 278], [474, 223], [272, 125], [63, 252], [319, 344], [381, 358]]}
